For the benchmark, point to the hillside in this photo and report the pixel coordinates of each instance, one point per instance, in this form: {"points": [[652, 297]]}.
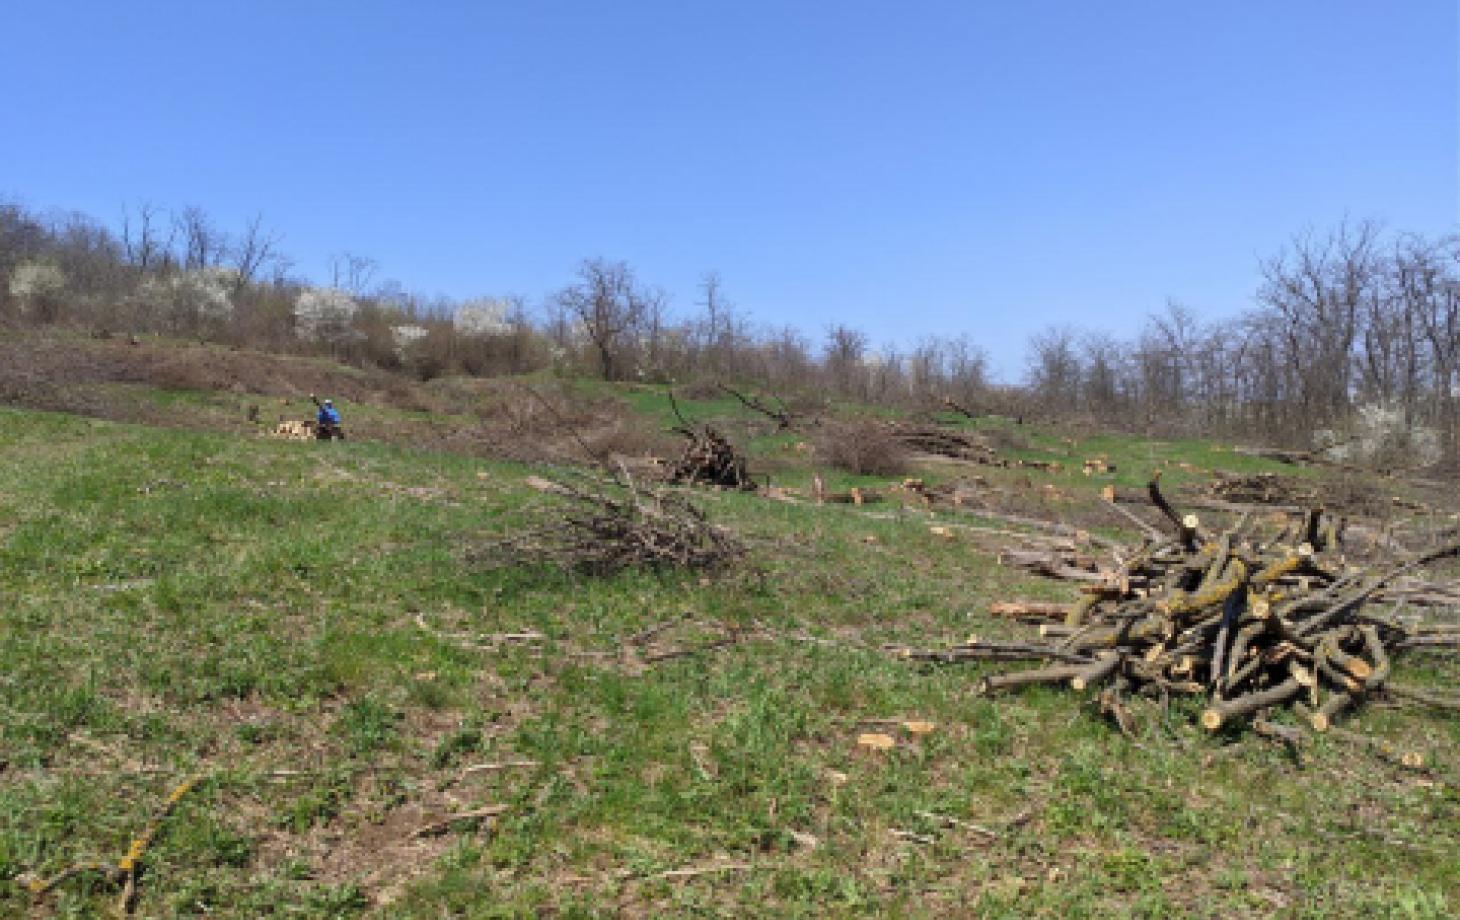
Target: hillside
{"points": [[323, 634]]}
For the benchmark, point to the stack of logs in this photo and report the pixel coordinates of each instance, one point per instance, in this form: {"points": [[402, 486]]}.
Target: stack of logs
{"points": [[295, 430], [939, 441], [942, 442], [1251, 620]]}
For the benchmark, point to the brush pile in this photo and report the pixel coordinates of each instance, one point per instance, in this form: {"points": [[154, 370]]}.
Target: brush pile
{"points": [[1260, 489], [709, 459], [599, 526], [1253, 621]]}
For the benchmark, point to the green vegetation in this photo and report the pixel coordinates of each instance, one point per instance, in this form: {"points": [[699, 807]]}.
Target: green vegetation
{"points": [[313, 628]]}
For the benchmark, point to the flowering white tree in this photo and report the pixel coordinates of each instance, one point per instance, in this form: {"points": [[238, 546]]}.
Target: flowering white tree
{"points": [[37, 287], [485, 316], [324, 315], [1381, 431], [406, 337], [200, 295]]}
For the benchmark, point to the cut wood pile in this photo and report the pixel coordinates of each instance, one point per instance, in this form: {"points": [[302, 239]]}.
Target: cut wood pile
{"points": [[598, 526], [1254, 619], [1293, 457], [295, 430], [1261, 489], [958, 493], [856, 495], [708, 457], [943, 442], [973, 447]]}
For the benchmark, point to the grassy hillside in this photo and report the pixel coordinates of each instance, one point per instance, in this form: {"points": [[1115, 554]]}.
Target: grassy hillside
{"points": [[316, 631]]}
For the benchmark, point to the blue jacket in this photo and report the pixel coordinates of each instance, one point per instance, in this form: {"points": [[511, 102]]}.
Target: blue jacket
{"points": [[328, 415]]}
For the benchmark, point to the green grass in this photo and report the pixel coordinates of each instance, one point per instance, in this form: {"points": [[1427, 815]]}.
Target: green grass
{"points": [[180, 602]]}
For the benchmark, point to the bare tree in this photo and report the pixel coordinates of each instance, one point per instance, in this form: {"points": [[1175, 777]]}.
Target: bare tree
{"points": [[609, 306], [1102, 359], [521, 338], [926, 372], [967, 370], [654, 332], [1318, 287], [787, 357], [1427, 284], [142, 236], [846, 352], [1054, 369], [204, 245], [253, 252], [720, 331]]}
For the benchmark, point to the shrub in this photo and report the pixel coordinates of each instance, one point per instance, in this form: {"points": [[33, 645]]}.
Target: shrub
{"points": [[866, 448]]}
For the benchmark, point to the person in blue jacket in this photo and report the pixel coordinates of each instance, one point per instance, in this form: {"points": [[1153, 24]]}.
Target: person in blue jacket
{"points": [[327, 422]]}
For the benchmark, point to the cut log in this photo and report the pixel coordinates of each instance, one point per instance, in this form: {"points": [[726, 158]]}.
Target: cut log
{"points": [[1097, 672], [1027, 609], [1009, 681], [1213, 717]]}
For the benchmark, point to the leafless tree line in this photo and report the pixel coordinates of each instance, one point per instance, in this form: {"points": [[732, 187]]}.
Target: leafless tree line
{"points": [[1350, 318], [178, 273], [69, 268]]}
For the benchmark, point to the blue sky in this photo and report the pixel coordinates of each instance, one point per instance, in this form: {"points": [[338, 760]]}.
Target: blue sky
{"points": [[909, 168]]}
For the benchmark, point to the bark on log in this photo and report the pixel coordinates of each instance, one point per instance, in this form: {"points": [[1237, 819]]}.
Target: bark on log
{"points": [[1025, 609], [1055, 675], [1218, 713], [1097, 672]]}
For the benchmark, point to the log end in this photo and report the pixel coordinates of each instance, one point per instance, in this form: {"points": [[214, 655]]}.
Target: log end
{"points": [[1321, 722], [1211, 720]]}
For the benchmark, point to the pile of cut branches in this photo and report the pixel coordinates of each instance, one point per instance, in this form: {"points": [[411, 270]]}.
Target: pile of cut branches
{"points": [[1252, 620], [708, 457], [599, 526], [1260, 489]]}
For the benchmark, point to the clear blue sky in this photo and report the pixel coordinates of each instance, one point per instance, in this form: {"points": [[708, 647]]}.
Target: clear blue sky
{"points": [[910, 168]]}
